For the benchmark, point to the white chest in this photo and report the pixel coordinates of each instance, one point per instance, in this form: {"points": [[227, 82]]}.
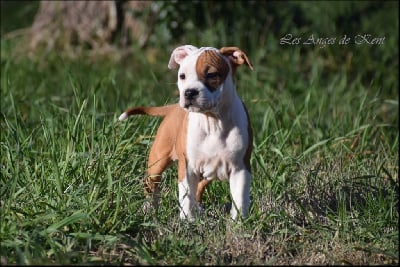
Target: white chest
{"points": [[214, 148]]}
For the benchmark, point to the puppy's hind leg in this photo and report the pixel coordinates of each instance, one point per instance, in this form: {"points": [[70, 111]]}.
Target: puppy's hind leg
{"points": [[158, 161]]}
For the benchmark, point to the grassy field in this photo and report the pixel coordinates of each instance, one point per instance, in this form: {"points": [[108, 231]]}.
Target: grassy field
{"points": [[325, 165]]}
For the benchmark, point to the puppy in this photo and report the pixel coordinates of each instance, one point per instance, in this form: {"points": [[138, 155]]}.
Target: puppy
{"points": [[208, 131]]}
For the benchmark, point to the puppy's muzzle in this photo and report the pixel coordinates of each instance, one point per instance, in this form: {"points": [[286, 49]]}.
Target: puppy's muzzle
{"points": [[191, 94]]}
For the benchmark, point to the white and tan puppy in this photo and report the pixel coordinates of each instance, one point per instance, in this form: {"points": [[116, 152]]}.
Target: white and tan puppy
{"points": [[208, 132]]}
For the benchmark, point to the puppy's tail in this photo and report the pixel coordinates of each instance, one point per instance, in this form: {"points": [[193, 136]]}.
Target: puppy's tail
{"points": [[152, 111]]}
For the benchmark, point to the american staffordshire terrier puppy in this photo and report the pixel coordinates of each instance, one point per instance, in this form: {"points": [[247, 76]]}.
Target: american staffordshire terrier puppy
{"points": [[208, 131]]}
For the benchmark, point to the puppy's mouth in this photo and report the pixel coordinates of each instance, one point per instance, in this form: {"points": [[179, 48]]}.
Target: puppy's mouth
{"points": [[188, 104], [191, 106], [193, 101], [194, 106]]}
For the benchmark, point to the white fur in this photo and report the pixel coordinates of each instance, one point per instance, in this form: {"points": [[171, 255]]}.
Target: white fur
{"points": [[123, 116], [239, 184], [187, 198]]}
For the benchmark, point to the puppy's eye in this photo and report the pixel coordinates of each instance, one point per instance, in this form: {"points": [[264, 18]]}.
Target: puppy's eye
{"points": [[212, 75], [182, 76]]}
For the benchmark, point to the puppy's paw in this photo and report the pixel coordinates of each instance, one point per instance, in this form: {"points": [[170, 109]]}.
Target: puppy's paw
{"points": [[200, 210], [148, 206]]}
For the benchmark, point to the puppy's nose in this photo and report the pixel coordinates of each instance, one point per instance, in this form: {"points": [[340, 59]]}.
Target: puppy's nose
{"points": [[191, 93]]}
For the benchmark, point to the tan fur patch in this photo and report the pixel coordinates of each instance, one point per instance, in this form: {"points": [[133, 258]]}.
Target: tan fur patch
{"points": [[211, 69]]}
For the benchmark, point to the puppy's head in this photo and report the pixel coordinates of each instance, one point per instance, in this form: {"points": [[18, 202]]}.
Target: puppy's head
{"points": [[205, 75]]}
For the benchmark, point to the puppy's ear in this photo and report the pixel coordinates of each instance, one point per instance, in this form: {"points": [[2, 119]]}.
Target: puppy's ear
{"points": [[179, 54], [236, 56]]}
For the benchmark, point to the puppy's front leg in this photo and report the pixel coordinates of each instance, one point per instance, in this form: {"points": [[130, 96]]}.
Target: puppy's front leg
{"points": [[187, 196], [239, 183]]}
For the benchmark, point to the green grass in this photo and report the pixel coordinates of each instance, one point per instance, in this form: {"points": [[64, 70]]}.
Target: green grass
{"points": [[325, 163]]}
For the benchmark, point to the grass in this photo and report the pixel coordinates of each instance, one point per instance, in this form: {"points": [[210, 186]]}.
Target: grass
{"points": [[325, 165]]}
